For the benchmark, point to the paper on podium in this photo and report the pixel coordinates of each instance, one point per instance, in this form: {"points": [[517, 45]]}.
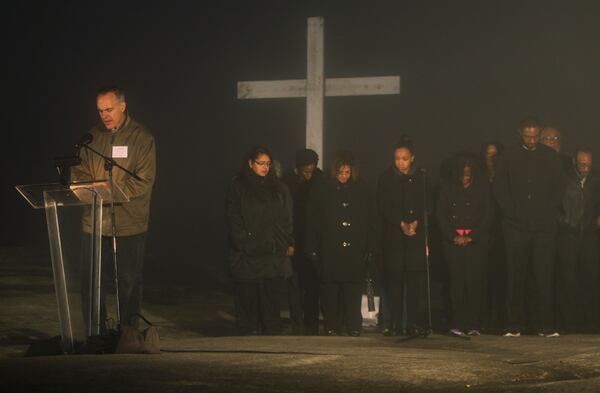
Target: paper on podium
{"points": [[74, 194], [85, 192]]}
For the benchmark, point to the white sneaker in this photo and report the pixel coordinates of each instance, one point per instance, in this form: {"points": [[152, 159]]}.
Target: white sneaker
{"points": [[512, 334], [457, 332], [551, 335]]}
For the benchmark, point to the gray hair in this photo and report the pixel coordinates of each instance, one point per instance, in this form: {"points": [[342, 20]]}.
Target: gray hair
{"points": [[117, 91]]}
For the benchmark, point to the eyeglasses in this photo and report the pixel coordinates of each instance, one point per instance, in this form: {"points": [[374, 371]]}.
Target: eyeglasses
{"points": [[263, 163], [551, 138]]}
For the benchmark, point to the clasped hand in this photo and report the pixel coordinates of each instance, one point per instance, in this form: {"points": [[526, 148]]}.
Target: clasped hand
{"points": [[462, 240], [409, 228]]}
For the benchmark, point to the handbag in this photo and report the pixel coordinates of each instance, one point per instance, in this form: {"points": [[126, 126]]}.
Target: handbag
{"points": [[134, 340]]}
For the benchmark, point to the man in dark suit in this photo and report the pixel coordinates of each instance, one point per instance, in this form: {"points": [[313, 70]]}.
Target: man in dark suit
{"points": [[528, 189]]}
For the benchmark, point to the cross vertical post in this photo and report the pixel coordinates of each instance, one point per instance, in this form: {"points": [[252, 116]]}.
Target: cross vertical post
{"points": [[315, 85]]}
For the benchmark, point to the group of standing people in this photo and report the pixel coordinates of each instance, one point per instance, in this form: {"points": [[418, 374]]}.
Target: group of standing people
{"points": [[518, 229]]}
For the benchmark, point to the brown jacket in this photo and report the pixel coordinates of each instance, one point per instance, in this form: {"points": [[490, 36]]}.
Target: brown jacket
{"points": [[131, 217]]}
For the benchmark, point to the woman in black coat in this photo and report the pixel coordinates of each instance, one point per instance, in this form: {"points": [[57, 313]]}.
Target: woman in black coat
{"points": [[496, 263], [259, 215], [465, 213], [341, 234], [401, 201]]}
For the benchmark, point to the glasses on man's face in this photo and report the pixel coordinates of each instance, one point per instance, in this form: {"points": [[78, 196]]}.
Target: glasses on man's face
{"points": [[263, 163], [553, 139]]}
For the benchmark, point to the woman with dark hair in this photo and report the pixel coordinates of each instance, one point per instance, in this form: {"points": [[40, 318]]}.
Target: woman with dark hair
{"points": [[259, 215], [341, 234], [464, 212], [488, 154], [401, 194], [303, 288], [496, 267]]}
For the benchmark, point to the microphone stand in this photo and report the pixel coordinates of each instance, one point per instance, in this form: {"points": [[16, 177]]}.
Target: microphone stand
{"points": [[109, 163], [427, 266], [63, 166]]}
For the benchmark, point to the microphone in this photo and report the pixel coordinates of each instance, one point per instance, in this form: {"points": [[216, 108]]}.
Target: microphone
{"points": [[85, 139]]}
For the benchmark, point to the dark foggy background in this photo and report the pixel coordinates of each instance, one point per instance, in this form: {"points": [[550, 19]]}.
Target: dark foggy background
{"points": [[470, 70]]}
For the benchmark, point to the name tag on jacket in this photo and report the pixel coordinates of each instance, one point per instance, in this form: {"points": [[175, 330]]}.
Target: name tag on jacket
{"points": [[119, 152]]}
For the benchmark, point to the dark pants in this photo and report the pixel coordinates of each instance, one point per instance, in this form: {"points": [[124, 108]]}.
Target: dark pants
{"points": [[395, 288], [467, 266], [303, 296], [407, 299], [530, 261], [341, 302], [495, 306], [294, 295], [577, 281], [130, 260], [384, 317], [257, 306]]}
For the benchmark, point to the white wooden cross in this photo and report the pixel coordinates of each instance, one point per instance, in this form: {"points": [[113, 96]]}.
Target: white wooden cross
{"points": [[315, 87]]}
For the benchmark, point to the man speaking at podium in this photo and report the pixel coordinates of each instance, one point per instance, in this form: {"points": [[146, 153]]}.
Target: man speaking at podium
{"points": [[131, 146]]}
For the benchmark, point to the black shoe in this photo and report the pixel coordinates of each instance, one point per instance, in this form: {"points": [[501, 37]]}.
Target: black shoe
{"points": [[417, 331], [387, 332], [332, 332], [354, 333]]}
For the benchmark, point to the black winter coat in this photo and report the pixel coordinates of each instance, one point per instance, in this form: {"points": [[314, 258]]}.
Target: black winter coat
{"points": [[259, 215], [528, 187], [580, 204], [465, 208], [300, 190], [400, 198], [341, 229]]}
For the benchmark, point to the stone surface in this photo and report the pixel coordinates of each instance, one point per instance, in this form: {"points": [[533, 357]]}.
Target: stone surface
{"points": [[195, 360]]}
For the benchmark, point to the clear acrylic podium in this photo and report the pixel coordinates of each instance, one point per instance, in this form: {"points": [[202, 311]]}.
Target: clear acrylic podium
{"points": [[65, 206]]}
